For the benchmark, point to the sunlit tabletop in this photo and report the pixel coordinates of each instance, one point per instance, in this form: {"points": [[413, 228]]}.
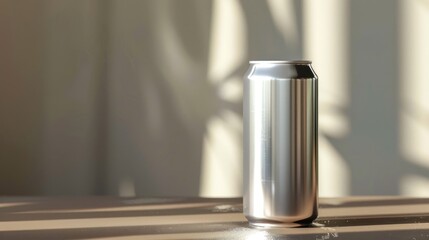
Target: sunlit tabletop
{"points": [[201, 218]]}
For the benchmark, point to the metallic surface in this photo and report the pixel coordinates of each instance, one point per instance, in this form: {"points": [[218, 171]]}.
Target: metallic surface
{"points": [[280, 143]]}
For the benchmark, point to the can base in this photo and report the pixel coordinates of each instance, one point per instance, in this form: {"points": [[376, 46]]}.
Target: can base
{"points": [[269, 224], [255, 222], [276, 225]]}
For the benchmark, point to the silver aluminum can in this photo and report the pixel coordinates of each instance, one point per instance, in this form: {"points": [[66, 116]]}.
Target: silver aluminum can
{"points": [[280, 143]]}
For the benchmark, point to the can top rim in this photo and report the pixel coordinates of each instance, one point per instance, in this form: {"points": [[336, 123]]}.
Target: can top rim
{"points": [[280, 62]]}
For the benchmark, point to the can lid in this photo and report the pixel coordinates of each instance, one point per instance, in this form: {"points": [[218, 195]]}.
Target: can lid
{"points": [[280, 62]]}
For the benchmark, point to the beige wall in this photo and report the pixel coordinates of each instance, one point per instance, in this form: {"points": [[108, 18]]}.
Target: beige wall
{"points": [[144, 97]]}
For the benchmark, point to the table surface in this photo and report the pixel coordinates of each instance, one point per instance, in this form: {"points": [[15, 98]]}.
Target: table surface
{"points": [[201, 218]]}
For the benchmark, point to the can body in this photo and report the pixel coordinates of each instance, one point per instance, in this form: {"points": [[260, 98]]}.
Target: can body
{"points": [[280, 147]]}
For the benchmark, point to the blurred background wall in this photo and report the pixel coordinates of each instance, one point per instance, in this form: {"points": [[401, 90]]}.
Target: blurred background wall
{"points": [[144, 97]]}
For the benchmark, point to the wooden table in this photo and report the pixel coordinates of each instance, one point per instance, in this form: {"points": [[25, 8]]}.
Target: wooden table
{"points": [[198, 218]]}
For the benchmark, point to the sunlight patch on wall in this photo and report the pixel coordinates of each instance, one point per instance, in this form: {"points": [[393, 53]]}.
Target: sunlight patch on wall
{"points": [[222, 164], [413, 185], [333, 122], [221, 168], [414, 115], [228, 43], [283, 15], [232, 90], [326, 44], [333, 171]]}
